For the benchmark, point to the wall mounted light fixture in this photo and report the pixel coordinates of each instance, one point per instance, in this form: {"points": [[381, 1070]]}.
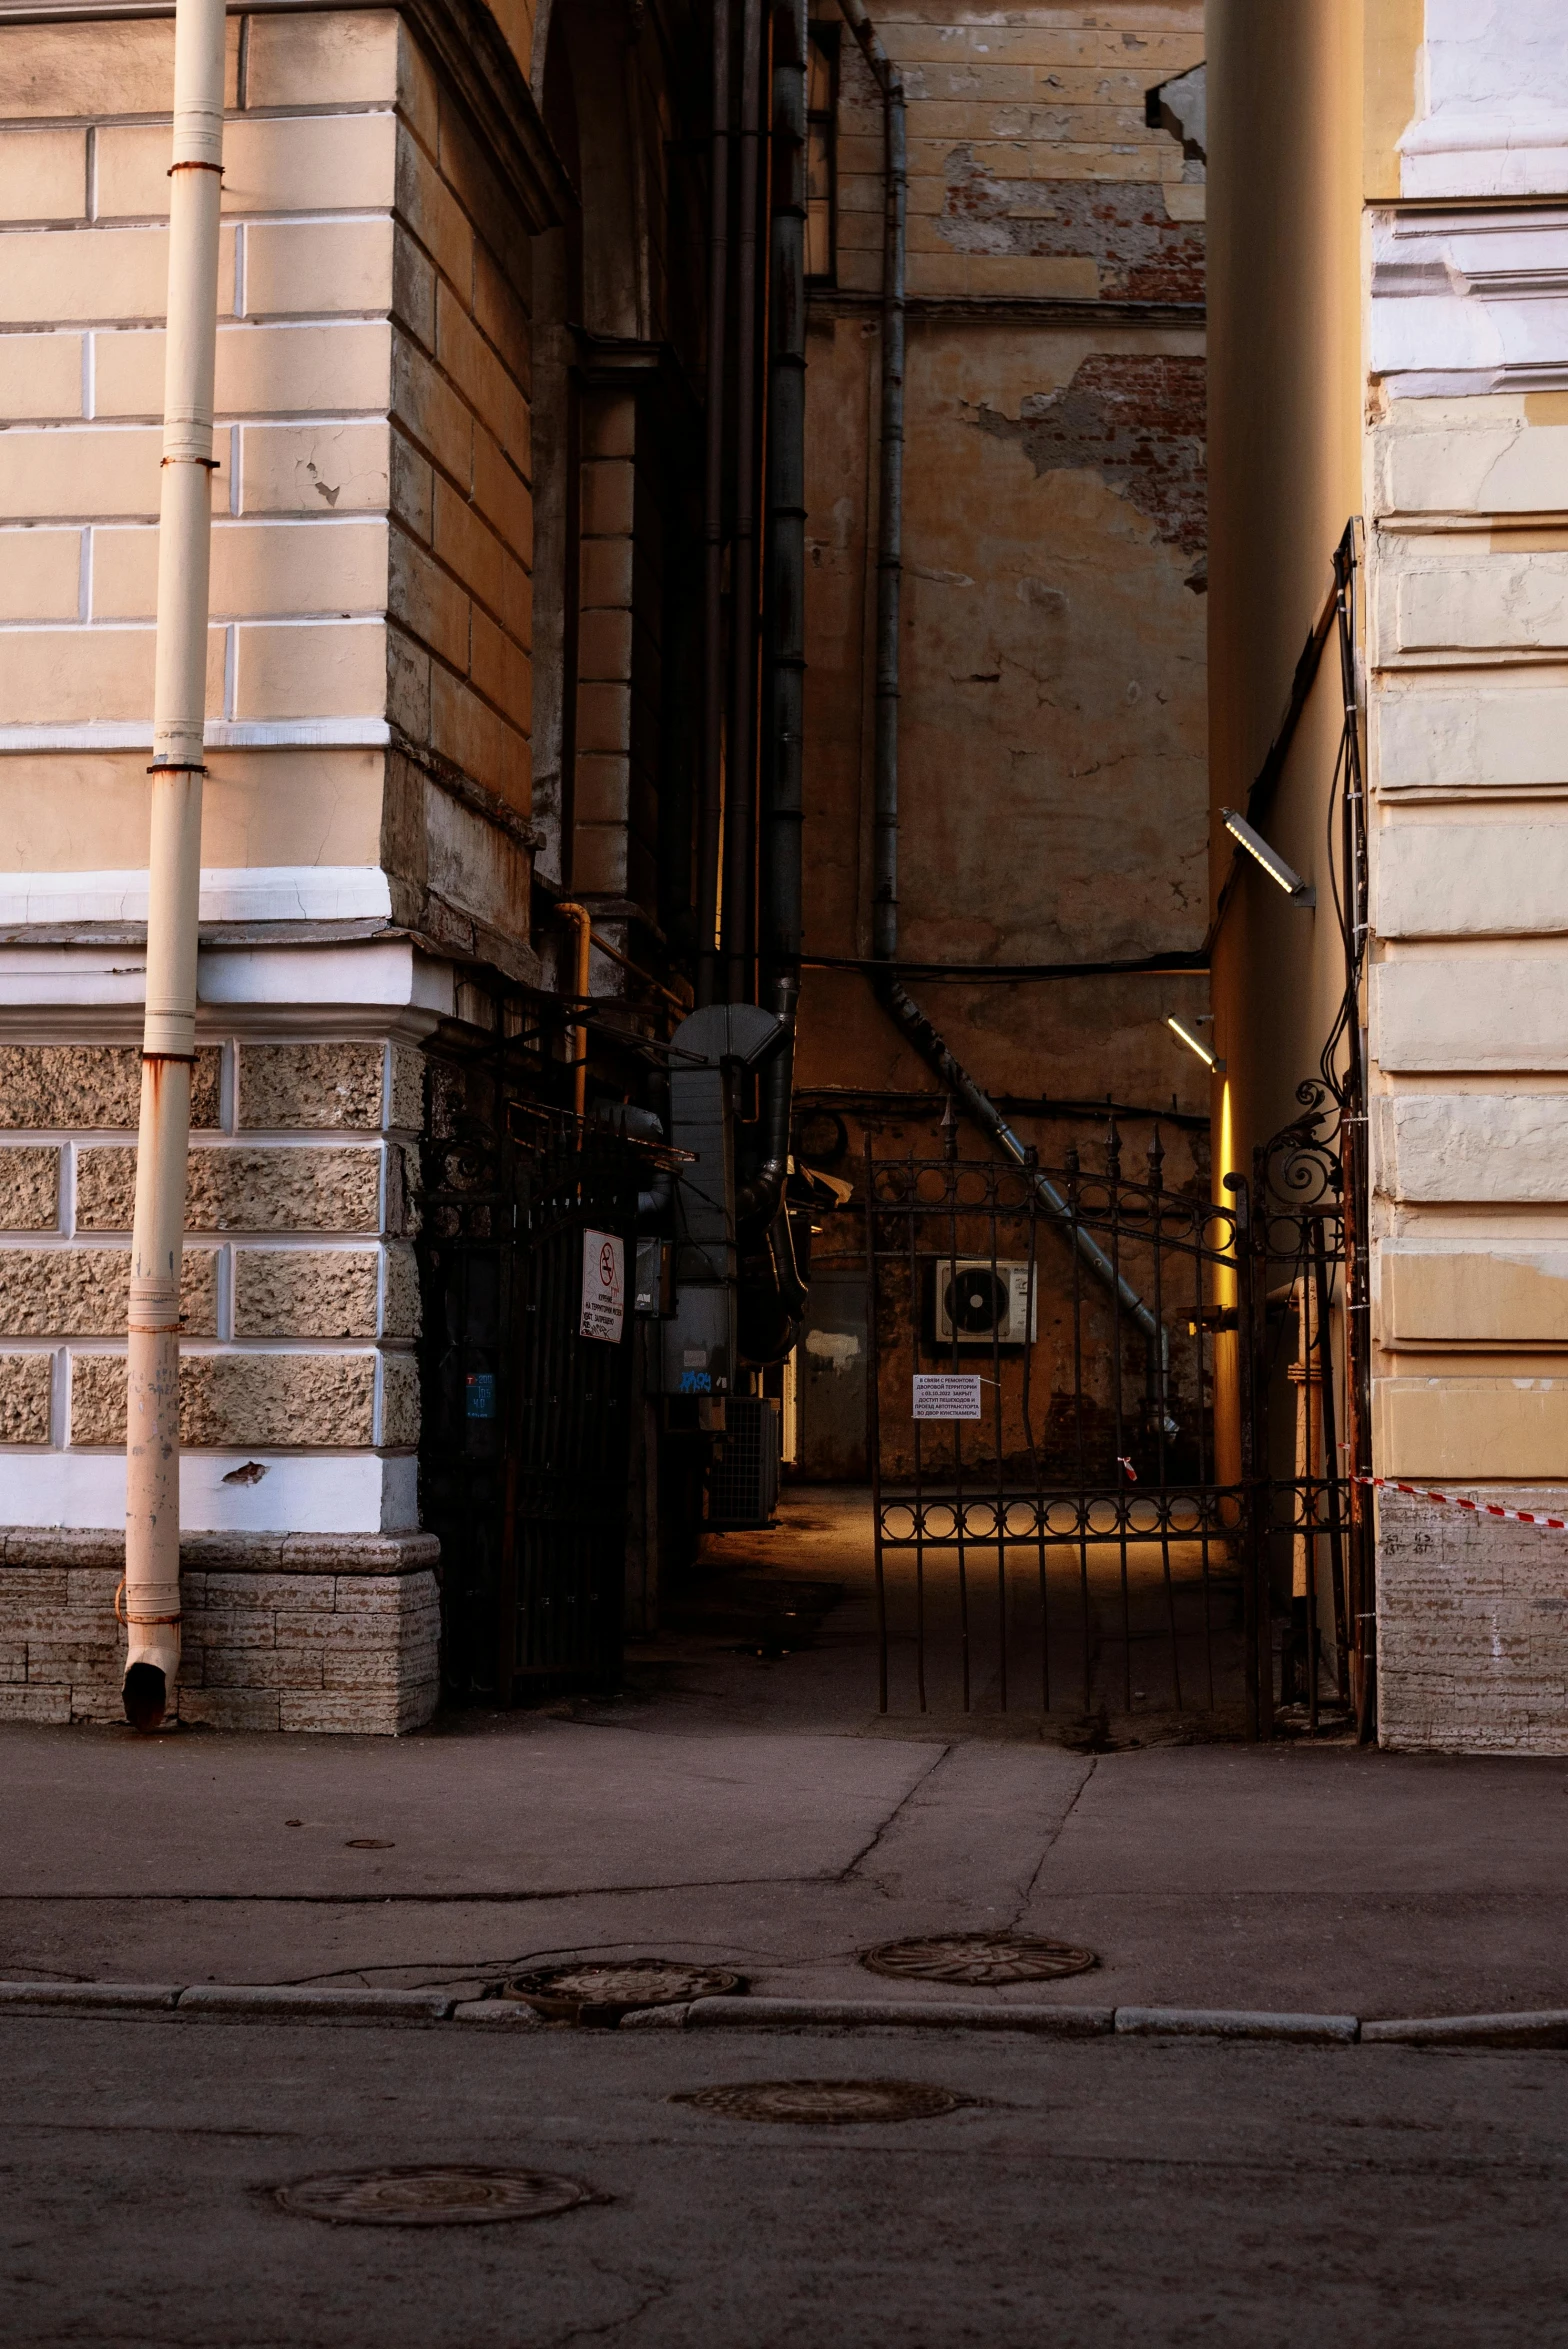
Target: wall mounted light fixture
{"points": [[1284, 876], [1179, 1029]]}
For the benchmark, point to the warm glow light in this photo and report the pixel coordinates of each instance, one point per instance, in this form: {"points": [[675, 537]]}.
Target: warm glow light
{"points": [[1283, 875], [1193, 1045]]}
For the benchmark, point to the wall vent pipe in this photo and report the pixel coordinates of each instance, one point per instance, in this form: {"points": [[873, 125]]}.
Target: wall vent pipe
{"points": [[152, 1489]]}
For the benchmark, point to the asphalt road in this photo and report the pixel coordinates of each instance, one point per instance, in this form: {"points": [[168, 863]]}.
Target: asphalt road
{"points": [[1096, 2195]]}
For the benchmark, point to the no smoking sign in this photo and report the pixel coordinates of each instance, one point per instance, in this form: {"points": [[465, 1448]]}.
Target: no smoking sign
{"points": [[604, 1287]]}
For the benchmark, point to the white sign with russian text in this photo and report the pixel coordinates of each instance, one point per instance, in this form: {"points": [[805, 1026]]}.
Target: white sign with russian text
{"points": [[946, 1397], [604, 1287]]}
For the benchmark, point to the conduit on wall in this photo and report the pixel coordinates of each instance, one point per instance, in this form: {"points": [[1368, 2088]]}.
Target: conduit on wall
{"points": [[152, 1492]]}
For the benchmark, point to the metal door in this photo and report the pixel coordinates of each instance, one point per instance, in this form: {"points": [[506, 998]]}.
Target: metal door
{"points": [[525, 1451]]}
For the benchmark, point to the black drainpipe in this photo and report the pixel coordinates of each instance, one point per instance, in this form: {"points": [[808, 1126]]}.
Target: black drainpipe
{"points": [[784, 769], [890, 536], [709, 836], [740, 755]]}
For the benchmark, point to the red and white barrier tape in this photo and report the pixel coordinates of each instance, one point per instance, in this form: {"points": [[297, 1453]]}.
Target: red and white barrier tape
{"points": [[1390, 1484]]}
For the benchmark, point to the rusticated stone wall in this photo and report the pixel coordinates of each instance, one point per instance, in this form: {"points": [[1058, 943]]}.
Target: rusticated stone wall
{"points": [[301, 1315], [301, 1297], [294, 1631]]}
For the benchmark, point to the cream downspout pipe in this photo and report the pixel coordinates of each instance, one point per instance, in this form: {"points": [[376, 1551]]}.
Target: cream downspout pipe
{"points": [[152, 1491]]}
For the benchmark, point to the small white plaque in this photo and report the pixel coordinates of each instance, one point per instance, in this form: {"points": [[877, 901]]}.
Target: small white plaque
{"points": [[604, 1287], [946, 1397]]}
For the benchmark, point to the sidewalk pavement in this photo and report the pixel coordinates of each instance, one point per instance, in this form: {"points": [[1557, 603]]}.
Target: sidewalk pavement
{"points": [[753, 1810]]}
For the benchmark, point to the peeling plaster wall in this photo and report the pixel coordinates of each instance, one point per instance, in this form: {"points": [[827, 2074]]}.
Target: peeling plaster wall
{"points": [[1052, 721], [1053, 779]]}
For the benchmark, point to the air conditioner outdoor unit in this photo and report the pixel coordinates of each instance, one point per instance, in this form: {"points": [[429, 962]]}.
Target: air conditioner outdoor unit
{"points": [[981, 1302]]}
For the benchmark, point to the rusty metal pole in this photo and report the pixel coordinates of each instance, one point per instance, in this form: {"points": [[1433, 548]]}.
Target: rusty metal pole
{"points": [[152, 1491], [582, 922]]}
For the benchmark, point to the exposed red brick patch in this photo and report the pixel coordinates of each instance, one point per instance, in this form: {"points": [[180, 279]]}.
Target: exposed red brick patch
{"points": [[1139, 423], [1121, 225]]}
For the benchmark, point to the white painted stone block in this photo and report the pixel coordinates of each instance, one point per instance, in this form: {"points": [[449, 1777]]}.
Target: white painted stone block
{"points": [[1494, 79], [1505, 603], [1476, 879], [1493, 736], [1473, 1011], [1485, 468], [1439, 1149]]}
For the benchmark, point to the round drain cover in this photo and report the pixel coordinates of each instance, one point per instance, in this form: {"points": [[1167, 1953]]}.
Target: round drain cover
{"points": [[603, 1993], [817, 2101], [979, 1958], [448, 2194]]}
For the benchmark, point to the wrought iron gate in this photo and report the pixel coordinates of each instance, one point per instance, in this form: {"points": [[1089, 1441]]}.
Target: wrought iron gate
{"points": [[525, 1455], [1094, 1521], [1305, 1432]]}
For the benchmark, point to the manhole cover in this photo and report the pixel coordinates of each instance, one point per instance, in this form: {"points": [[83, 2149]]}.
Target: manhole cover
{"points": [[979, 1958], [452, 2194], [603, 1993], [816, 2101]]}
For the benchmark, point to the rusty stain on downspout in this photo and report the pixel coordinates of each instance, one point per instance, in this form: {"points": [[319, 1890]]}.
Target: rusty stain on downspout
{"points": [[582, 920], [152, 1489]]}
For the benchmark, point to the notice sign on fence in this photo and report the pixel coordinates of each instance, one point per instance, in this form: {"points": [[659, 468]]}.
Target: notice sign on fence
{"points": [[946, 1398], [604, 1287]]}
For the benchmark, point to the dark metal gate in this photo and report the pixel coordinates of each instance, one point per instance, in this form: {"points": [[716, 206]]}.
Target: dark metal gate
{"points": [[1121, 1501], [525, 1454]]}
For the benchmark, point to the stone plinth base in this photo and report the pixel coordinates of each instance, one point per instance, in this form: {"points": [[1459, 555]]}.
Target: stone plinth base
{"points": [[1472, 1626], [281, 1631]]}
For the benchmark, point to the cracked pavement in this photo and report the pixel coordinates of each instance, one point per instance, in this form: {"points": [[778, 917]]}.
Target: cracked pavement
{"points": [[754, 1810]]}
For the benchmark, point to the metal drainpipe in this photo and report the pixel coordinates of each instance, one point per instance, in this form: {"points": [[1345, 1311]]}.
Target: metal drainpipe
{"points": [[740, 757], [759, 1201], [152, 1488], [787, 503], [890, 536], [710, 825], [582, 920], [890, 553]]}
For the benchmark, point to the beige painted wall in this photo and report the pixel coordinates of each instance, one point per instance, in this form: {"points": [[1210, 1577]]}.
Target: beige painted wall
{"points": [[372, 514]]}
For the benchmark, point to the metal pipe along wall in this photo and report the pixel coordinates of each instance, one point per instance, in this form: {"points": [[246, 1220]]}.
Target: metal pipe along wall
{"points": [[152, 1494]]}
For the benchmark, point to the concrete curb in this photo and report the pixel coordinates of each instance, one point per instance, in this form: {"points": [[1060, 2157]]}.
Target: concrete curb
{"points": [[247, 1998], [1547, 2029], [1197, 2022], [87, 1997], [288, 2002], [507, 2014], [870, 2014]]}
